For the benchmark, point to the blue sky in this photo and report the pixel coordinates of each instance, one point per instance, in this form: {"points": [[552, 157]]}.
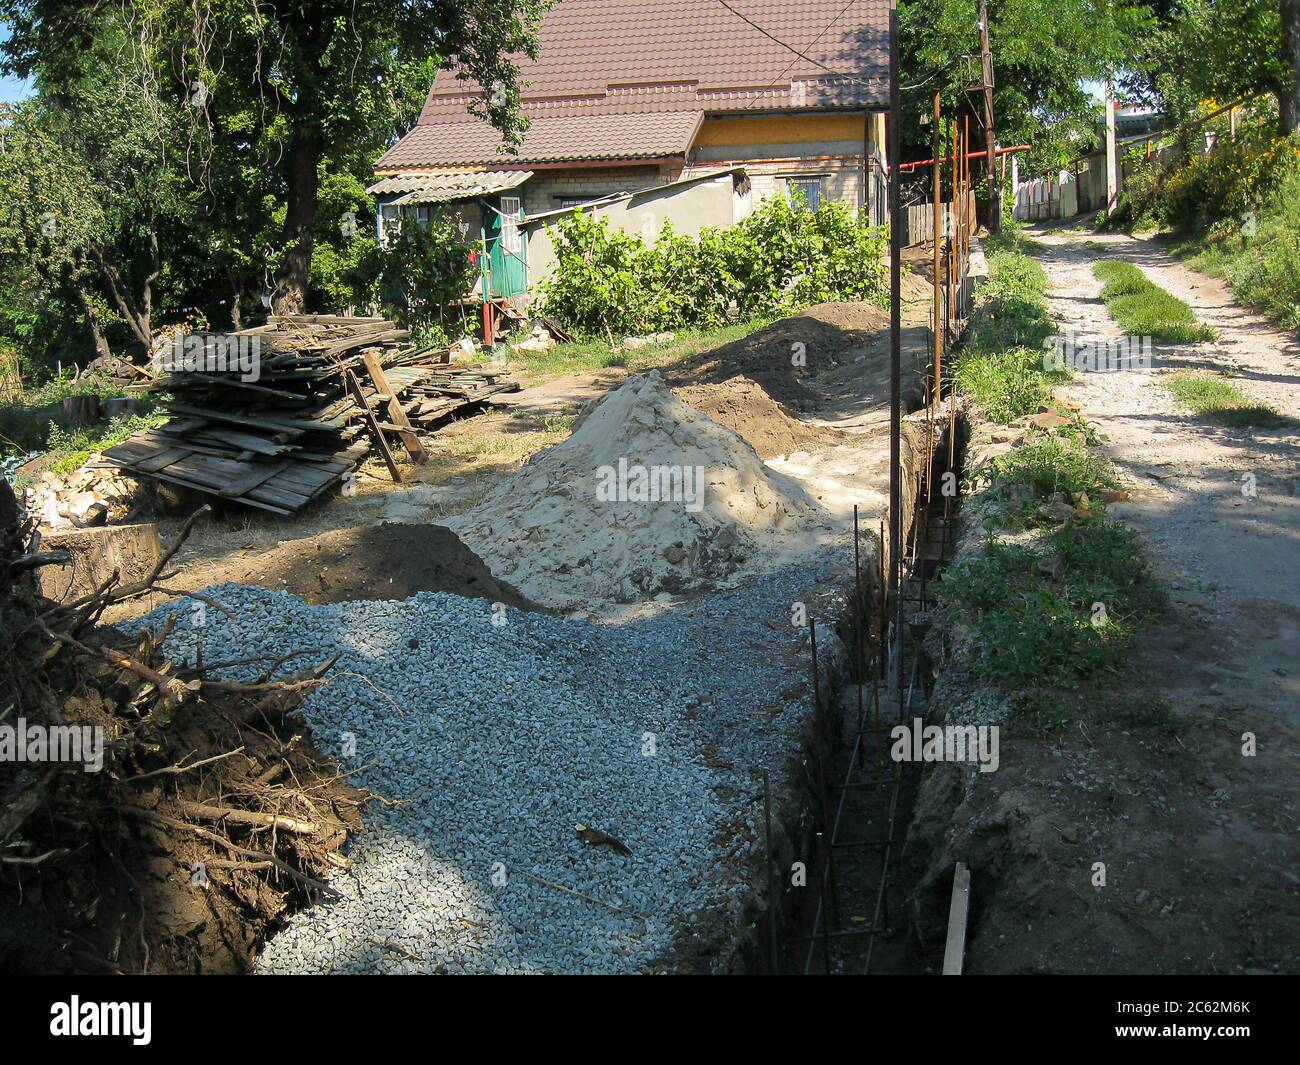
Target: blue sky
{"points": [[11, 89]]}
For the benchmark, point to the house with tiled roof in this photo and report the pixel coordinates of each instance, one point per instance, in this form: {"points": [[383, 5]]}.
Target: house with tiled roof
{"points": [[631, 95]]}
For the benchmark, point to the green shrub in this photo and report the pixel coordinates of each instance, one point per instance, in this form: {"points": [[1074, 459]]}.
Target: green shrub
{"points": [[1226, 183], [419, 274], [781, 258]]}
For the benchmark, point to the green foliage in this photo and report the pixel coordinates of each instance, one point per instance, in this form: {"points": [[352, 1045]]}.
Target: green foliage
{"points": [[1233, 179], [1038, 472], [1037, 623], [1001, 362], [1006, 384], [1221, 50], [237, 136], [69, 383], [781, 258], [1043, 52], [1210, 188], [1260, 260], [418, 275], [1219, 401], [1144, 309], [73, 447]]}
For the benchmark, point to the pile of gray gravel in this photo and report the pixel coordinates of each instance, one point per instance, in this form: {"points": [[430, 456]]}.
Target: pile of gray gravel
{"points": [[496, 731]]}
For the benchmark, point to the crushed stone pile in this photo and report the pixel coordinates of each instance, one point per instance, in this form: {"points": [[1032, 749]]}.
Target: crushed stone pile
{"points": [[490, 734], [647, 497]]}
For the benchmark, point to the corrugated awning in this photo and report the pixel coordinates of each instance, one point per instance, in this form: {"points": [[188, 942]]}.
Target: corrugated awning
{"points": [[444, 188]]}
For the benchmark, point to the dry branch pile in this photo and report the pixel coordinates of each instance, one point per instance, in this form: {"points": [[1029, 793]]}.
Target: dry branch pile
{"points": [[210, 816]]}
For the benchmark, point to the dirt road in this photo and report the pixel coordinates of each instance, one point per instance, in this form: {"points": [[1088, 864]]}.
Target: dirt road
{"points": [[1230, 556], [1202, 838]]}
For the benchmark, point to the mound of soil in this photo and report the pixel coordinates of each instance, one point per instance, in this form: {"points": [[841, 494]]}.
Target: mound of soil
{"points": [[744, 407], [388, 561], [830, 334]]}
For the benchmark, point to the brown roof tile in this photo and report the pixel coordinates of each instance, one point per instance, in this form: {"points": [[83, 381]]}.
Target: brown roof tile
{"points": [[610, 73], [602, 48], [569, 138]]}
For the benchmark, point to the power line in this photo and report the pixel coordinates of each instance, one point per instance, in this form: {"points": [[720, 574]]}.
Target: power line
{"points": [[786, 44]]}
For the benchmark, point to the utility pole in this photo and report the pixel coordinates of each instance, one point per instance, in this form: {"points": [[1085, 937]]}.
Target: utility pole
{"points": [[990, 136], [1112, 155], [937, 196], [895, 350]]}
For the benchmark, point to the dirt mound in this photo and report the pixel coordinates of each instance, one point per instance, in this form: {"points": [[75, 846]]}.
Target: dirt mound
{"points": [[820, 338], [745, 407], [647, 496], [388, 561]]}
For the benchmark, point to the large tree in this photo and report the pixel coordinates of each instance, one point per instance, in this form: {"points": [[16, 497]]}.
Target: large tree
{"points": [[280, 87], [89, 195], [1221, 51], [1043, 52]]}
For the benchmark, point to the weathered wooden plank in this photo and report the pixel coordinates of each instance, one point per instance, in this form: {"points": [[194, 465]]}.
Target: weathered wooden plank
{"points": [[256, 475], [376, 434], [162, 459]]}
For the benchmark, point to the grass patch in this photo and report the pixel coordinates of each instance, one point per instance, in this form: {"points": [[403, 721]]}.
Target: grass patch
{"points": [[1006, 384], [1144, 309], [1037, 473], [593, 355], [1059, 616], [1000, 364], [1219, 401], [493, 445]]}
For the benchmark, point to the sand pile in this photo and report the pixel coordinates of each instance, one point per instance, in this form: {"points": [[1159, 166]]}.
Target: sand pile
{"points": [[648, 496]]}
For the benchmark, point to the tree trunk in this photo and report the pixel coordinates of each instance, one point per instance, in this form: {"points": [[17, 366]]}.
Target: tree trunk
{"points": [[1288, 98], [299, 222], [92, 321]]}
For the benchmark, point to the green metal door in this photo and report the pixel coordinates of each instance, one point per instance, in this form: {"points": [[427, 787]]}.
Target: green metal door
{"points": [[509, 248]]}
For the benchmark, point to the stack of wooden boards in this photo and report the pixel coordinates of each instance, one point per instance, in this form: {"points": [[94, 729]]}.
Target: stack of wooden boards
{"points": [[330, 389]]}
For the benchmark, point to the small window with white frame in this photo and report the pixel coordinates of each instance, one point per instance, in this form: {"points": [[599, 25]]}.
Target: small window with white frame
{"points": [[390, 223], [512, 214]]}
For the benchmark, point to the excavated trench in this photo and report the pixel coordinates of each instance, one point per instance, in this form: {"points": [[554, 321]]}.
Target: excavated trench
{"points": [[845, 908]]}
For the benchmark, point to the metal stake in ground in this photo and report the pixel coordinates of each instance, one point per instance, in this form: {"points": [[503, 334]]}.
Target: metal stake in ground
{"points": [[819, 727], [895, 342], [771, 876], [860, 613]]}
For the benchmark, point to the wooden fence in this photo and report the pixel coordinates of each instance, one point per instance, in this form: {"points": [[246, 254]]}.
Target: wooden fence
{"points": [[918, 220]]}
